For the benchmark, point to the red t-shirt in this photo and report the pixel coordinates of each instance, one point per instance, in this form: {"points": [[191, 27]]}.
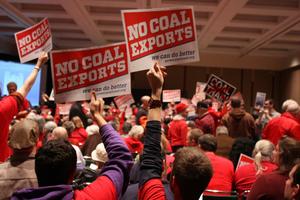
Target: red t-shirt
{"points": [[223, 173], [134, 145], [78, 136], [152, 189], [245, 175], [8, 109]]}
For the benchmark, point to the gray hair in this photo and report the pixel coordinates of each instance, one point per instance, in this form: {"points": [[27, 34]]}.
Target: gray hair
{"points": [[49, 126], [135, 131], [291, 106], [92, 129], [221, 130]]}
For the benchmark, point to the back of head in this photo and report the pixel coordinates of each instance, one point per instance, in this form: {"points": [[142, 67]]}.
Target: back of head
{"points": [[60, 133], [136, 131], [291, 106], [204, 104], [145, 100], [23, 135], [208, 142], [263, 151], [77, 122], [69, 126], [221, 130], [55, 163], [92, 129], [235, 102], [192, 171], [49, 126], [77, 110], [289, 153], [194, 136]]}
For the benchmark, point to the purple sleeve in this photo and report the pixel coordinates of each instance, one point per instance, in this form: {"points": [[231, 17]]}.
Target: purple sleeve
{"points": [[117, 168]]}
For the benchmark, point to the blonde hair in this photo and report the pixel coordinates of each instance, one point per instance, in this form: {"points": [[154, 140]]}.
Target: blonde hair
{"points": [[263, 151], [77, 122]]}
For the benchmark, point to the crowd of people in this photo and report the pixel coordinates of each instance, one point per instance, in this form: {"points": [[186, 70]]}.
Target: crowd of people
{"points": [[173, 153]]}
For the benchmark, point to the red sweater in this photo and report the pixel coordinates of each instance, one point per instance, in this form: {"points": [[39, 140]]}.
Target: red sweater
{"points": [[134, 145], [223, 173], [286, 124], [178, 131], [78, 136], [245, 175]]}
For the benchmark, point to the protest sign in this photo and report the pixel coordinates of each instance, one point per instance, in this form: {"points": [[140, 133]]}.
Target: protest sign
{"points": [[77, 72], [171, 95], [123, 102], [64, 109], [244, 160], [199, 93], [218, 88], [33, 40], [164, 35], [260, 99]]}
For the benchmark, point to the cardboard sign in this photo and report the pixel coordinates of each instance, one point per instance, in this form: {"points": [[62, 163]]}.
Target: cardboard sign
{"points": [[165, 35], [260, 99], [33, 40], [64, 109], [199, 93], [171, 95], [77, 72], [218, 88], [244, 160], [123, 101]]}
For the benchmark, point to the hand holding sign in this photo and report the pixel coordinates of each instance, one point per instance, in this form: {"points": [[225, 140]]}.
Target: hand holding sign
{"points": [[43, 58]]}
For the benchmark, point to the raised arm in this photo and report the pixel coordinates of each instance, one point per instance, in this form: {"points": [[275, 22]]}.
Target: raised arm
{"points": [[117, 168], [31, 78], [150, 185]]}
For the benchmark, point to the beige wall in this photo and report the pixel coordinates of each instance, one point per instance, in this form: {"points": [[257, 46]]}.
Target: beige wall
{"points": [[247, 81]]}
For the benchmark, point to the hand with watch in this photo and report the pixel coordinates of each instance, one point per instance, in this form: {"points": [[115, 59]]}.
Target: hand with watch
{"points": [[155, 78]]}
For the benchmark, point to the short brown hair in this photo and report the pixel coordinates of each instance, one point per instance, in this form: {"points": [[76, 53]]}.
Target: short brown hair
{"points": [[192, 171], [195, 133]]}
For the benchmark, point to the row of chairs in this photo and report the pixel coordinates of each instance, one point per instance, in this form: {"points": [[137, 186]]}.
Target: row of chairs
{"points": [[223, 195]]}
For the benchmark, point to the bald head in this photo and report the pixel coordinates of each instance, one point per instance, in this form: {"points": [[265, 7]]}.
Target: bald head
{"points": [[59, 133], [145, 100]]}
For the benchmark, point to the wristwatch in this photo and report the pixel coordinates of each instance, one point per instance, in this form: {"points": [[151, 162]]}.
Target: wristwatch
{"points": [[154, 103]]}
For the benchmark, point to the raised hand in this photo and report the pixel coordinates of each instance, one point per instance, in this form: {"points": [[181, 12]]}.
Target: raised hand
{"points": [[96, 105], [42, 59], [155, 77]]}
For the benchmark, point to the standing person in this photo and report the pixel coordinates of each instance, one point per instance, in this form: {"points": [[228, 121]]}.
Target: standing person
{"points": [[178, 129], [224, 141], [55, 165], [143, 111], [184, 184], [246, 175], [79, 135], [286, 155], [287, 124], [205, 120], [238, 121], [12, 104], [18, 171], [266, 114]]}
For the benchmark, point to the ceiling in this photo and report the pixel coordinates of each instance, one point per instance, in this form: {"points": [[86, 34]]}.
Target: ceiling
{"points": [[260, 34]]}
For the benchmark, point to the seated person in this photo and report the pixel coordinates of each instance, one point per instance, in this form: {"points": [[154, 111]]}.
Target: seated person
{"points": [[55, 165], [223, 172], [292, 185]]}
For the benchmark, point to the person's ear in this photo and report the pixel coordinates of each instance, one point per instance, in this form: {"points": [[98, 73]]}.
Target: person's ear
{"points": [[296, 191]]}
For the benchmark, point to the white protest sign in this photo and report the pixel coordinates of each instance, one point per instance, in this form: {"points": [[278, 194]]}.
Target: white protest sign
{"points": [[123, 102], [171, 95], [260, 99], [77, 72], [33, 40], [164, 35]]}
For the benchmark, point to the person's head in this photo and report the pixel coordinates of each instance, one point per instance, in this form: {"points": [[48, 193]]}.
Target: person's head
{"points": [[77, 122], [193, 136], [286, 153], [59, 133], [23, 136], [38, 119], [48, 127], [292, 184], [291, 106], [181, 109], [136, 132], [99, 155], [202, 106], [126, 127], [263, 151], [208, 142], [235, 102], [92, 129], [55, 163], [221, 130], [11, 87], [145, 101], [69, 126], [77, 110], [269, 104], [191, 173]]}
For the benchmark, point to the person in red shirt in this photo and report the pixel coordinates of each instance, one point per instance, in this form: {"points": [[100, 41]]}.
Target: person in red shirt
{"points": [[191, 169], [79, 135], [205, 119], [287, 124], [178, 128], [222, 167], [133, 140], [246, 175], [12, 104]]}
